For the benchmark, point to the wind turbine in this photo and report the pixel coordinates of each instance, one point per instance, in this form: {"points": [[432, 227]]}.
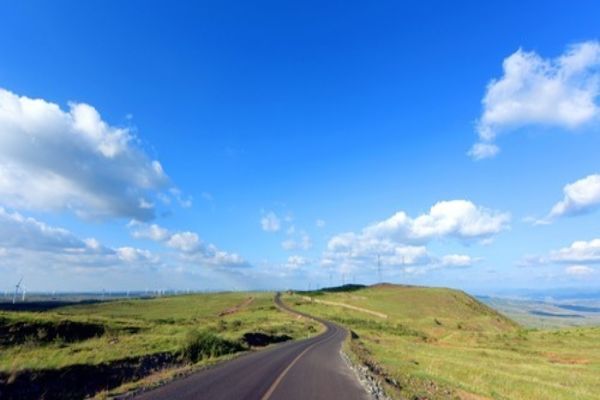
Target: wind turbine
{"points": [[23, 292], [17, 287], [379, 267]]}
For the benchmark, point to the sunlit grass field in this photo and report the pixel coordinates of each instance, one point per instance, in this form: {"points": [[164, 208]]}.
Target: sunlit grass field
{"points": [[142, 327], [441, 343]]}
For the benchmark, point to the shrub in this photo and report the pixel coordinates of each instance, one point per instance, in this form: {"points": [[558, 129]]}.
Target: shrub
{"points": [[236, 324], [199, 345]]}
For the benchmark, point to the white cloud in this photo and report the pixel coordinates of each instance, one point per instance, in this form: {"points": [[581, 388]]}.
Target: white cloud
{"points": [[579, 252], [132, 254], [579, 270], [580, 197], [398, 241], [18, 231], [349, 251], [152, 232], [188, 242], [456, 218], [190, 247], [50, 246], [270, 222], [52, 159], [560, 92], [320, 223]]}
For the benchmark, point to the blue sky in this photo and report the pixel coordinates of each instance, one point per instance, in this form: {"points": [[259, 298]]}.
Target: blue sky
{"points": [[223, 145]]}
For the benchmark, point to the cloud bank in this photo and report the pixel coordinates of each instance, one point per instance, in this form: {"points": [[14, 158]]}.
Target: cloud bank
{"points": [[399, 241], [189, 247], [26, 237]]}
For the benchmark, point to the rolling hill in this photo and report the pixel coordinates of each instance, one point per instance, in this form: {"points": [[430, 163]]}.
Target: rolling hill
{"points": [[437, 343]]}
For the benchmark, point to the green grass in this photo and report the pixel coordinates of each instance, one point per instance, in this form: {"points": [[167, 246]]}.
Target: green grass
{"points": [[142, 327], [442, 343]]}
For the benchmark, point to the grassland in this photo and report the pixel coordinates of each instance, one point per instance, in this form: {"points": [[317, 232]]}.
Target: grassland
{"points": [[440, 343], [107, 332]]}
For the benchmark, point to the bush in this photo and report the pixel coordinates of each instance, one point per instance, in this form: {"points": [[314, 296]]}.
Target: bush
{"points": [[199, 345]]}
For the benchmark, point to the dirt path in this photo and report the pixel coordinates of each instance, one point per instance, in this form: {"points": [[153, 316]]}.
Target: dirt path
{"points": [[351, 307], [237, 308]]}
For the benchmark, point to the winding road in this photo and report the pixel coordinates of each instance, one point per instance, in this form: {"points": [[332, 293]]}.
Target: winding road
{"points": [[306, 369]]}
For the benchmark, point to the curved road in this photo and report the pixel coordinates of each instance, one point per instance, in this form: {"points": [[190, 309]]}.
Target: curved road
{"points": [[305, 369]]}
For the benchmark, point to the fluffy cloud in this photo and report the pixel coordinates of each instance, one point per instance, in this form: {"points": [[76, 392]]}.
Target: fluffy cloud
{"points": [[52, 159], [17, 231], [580, 197], [189, 246], [560, 92], [350, 248], [187, 242], [579, 252], [152, 232], [33, 239], [399, 240], [132, 254], [456, 218], [270, 222]]}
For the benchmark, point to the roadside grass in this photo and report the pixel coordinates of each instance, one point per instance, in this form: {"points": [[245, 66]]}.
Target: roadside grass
{"points": [[441, 344], [144, 327]]}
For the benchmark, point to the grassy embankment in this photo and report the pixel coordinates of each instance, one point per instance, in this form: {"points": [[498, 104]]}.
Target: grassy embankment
{"points": [[440, 343], [193, 329]]}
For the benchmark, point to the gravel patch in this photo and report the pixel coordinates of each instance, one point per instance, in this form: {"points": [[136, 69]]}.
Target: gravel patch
{"points": [[366, 378]]}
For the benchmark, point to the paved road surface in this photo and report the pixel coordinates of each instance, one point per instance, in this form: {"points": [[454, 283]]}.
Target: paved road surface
{"points": [[303, 370]]}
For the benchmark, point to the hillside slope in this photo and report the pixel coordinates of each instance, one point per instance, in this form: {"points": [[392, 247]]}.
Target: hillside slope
{"points": [[439, 343], [107, 344]]}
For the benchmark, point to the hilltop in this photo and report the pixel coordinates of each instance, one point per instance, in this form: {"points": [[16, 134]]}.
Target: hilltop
{"points": [[435, 310]]}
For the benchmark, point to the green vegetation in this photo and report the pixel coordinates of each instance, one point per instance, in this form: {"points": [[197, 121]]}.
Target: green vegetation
{"points": [[439, 343], [199, 328], [199, 345]]}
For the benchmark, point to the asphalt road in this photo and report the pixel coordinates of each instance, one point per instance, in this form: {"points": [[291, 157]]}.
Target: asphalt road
{"points": [[305, 369]]}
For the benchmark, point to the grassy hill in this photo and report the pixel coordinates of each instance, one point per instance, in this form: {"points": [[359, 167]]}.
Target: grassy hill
{"points": [[106, 344], [438, 343]]}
